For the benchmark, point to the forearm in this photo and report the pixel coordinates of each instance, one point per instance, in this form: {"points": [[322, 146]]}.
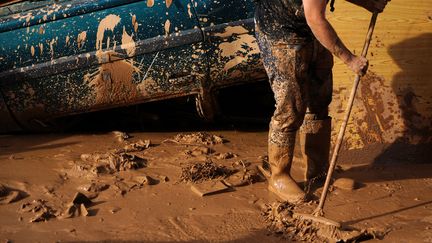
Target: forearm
{"points": [[328, 37]]}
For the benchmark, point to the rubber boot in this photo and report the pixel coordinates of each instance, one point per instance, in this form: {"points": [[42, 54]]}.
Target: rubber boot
{"points": [[314, 139], [281, 183]]}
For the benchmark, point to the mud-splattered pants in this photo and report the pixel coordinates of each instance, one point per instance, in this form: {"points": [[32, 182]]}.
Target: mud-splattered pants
{"points": [[300, 76]]}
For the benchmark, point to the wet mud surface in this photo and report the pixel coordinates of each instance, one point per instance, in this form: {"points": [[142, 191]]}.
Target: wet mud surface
{"points": [[190, 187]]}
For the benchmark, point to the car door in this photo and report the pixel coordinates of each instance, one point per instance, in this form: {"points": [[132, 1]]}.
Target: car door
{"points": [[230, 41], [68, 57]]}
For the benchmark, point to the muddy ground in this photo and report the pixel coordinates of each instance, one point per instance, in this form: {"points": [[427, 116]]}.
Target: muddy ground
{"points": [[139, 189]]}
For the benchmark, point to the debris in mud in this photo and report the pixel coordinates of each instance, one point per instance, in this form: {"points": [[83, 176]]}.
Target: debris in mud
{"points": [[9, 195], [77, 207], [228, 155], [136, 147], [94, 187], [94, 164], [41, 209], [121, 136], [114, 210], [265, 172], [281, 220], [74, 210], [210, 188], [242, 164], [80, 198], [199, 172], [198, 151], [81, 170], [83, 210], [113, 162], [196, 139], [345, 184], [244, 177], [164, 178], [123, 187], [145, 180]]}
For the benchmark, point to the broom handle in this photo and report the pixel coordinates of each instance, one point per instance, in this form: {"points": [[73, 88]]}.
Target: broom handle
{"points": [[319, 209]]}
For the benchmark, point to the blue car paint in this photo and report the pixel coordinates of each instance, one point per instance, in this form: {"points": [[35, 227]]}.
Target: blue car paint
{"points": [[230, 24], [175, 51]]}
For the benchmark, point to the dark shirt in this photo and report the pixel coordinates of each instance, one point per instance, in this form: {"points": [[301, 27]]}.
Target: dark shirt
{"points": [[282, 20]]}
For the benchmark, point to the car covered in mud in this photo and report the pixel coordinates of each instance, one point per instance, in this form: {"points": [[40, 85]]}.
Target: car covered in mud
{"points": [[64, 57]]}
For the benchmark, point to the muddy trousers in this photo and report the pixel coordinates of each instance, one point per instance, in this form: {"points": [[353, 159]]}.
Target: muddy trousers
{"points": [[300, 76]]}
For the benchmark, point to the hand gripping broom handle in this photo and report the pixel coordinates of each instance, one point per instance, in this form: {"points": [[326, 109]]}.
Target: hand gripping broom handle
{"points": [[319, 210]]}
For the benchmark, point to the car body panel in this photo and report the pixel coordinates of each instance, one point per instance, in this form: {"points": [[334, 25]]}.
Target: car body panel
{"points": [[82, 57], [230, 38], [108, 58]]}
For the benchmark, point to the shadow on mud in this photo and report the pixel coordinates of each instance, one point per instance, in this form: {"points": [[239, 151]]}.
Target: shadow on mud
{"points": [[257, 235], [243, 107], [415, 143], [388, 213], [17, 143]]}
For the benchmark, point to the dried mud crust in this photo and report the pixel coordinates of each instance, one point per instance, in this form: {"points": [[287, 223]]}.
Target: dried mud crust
{"points": [[197, 138], [41, 210], [199, 172], [281, 221], [239, 175], [112, 162]]}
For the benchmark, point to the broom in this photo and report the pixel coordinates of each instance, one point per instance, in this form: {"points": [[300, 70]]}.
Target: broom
{"points": [[318, 214]]}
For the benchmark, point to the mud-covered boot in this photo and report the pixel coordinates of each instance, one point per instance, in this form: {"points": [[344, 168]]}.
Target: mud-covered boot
{"points": [[281, 183], [315, 147]]}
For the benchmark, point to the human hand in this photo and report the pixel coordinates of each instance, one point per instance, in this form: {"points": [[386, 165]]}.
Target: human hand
{"points": [[375, 6], [358, 64]]}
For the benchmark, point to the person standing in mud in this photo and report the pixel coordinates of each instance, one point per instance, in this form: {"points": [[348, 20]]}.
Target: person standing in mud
{"points": [[297, 45]]}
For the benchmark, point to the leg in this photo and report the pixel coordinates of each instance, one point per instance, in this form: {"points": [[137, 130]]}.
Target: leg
{"points": [[316, 129], [286, 66]]}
